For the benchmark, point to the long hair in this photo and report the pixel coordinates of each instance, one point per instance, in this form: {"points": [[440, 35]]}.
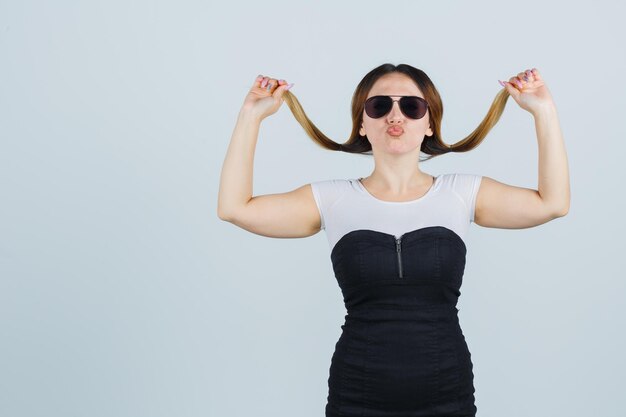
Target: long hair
{"points": [[431, 145]]}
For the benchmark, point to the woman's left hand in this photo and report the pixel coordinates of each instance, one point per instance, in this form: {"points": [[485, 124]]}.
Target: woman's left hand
{"points": [[529, 91]]}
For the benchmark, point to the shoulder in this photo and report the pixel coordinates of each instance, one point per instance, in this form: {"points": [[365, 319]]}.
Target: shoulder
{"points": [[331, 184], [460, 177], [465, 186], [331, 189], [327, 193], [461, 182]]}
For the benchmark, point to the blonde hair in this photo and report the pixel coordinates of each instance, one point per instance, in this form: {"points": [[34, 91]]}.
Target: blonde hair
{"points": [[431, 145]]}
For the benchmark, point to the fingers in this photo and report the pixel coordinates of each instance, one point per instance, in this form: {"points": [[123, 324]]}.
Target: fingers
{"points": [[536, 74], [523, 78], [516, 82], [265, 83], [257, 81], [269, 85]]}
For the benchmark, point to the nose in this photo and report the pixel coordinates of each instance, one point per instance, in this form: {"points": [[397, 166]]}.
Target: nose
{"points": [[395, 115]]}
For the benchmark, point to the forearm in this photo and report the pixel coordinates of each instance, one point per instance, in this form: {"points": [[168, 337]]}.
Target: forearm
{"points": [[554, 187], [236, 177]]}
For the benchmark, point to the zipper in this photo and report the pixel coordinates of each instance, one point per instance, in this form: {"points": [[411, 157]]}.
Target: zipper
{"points": [[399, 252]]}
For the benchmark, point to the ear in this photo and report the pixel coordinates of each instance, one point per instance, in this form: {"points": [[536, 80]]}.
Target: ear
{"points": [[429, 131], [362, 131]]}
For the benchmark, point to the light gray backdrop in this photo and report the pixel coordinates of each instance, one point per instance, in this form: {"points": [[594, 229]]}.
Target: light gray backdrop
{"points": [[123, 294]]}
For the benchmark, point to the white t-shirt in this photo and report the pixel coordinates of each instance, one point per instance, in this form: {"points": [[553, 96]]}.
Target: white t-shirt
{"points": [[345, 205]]}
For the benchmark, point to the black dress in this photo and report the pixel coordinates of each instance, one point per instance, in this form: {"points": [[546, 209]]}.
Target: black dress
{"points": [[400, 267], [401, 352]]}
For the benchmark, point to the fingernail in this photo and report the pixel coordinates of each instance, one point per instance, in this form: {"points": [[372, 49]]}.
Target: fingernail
{"points": [[289, 86], [264, 83], [269, 86], [501, 83]]}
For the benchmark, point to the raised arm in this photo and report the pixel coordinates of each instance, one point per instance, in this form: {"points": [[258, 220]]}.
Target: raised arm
{"points": [[508, 207], [290, 214]]}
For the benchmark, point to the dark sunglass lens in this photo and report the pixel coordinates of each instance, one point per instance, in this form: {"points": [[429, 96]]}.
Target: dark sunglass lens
{"points": [[378, 106], [413, 107]]}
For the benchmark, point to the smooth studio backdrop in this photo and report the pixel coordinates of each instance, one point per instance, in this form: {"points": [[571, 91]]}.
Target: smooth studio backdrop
{"points": [[122, 294]]}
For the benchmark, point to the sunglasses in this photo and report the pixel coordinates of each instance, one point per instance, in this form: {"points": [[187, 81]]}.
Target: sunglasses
{"points": [[411, 106]]}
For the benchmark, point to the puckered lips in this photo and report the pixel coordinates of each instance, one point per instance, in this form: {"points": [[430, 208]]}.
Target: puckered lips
{"points": [[395, 131]]}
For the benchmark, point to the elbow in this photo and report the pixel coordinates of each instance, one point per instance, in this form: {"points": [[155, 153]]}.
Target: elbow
{"points": [[223, 215], [230, 213], [556, 209], [559, 214], [561, 211]]}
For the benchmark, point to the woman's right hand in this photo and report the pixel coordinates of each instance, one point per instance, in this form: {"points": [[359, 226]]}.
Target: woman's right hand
{"points": [[261, 101]]}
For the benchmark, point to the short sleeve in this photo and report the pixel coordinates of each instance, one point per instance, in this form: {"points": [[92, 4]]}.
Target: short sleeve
{"points": [[327, 193], [466, 186], [316, 187]]}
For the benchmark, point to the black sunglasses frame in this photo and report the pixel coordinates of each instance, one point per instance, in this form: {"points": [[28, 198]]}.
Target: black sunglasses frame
{"points": [[402, 102]]}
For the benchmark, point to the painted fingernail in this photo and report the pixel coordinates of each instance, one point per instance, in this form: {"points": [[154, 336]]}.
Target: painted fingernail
{"points": [[519, 83], [289, 86], [501, 83], [525, 78], [269, 86], [264, 83]]}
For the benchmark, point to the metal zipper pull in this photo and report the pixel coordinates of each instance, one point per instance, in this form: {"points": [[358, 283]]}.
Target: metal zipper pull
{"points": [[398, 251]]}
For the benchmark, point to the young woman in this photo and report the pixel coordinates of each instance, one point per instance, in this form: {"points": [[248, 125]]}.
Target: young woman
{"points": [[397, 237]]}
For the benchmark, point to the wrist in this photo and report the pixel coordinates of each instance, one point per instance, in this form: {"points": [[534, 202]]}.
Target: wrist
{"points": [[248, 115], [546, 110]]}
